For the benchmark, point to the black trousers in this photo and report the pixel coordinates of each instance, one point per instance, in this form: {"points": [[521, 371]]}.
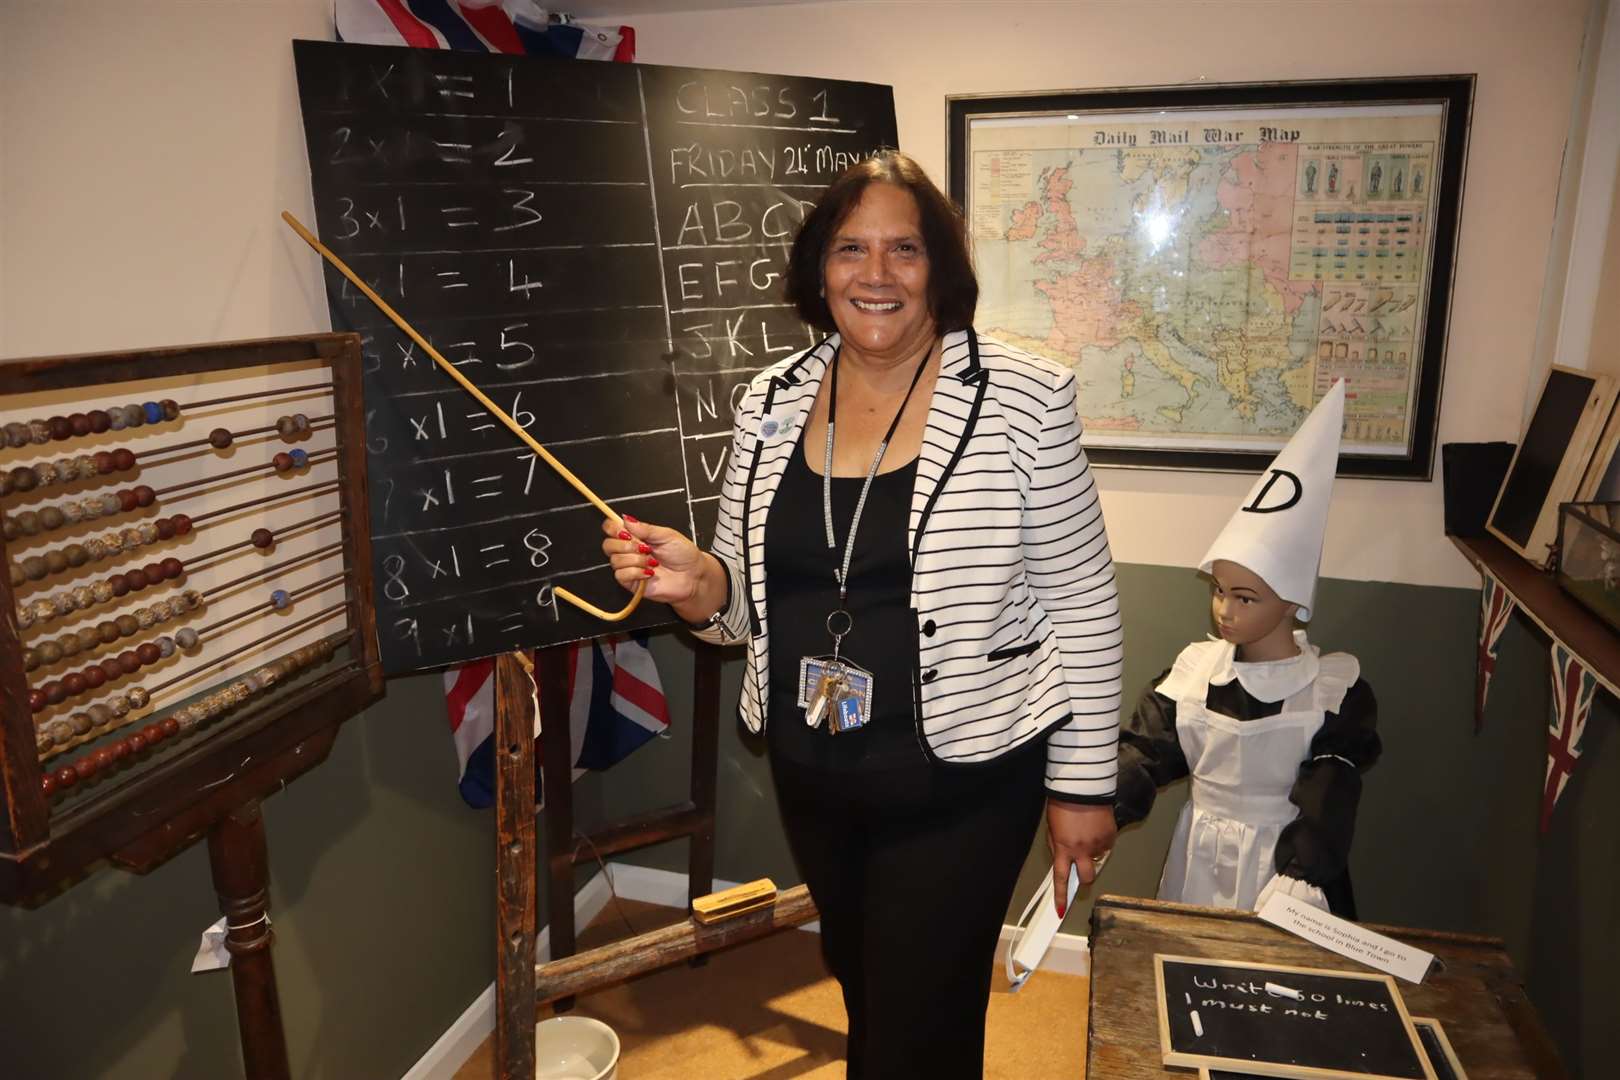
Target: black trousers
{"points": [[913, 868]]}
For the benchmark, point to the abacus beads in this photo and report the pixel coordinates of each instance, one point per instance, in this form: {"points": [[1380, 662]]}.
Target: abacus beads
{"points": [[183, 721], [96, 548], [94, 422], [110, 630], [288, 427], [291, 427], [45, 474], [74, 511]]}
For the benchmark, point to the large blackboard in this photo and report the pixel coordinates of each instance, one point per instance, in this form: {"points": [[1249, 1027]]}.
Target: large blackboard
{"points": [[1220, 1014], [598, 246]]}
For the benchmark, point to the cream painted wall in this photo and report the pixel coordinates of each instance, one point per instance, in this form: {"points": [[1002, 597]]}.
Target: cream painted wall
{"points": [[149, 146], [1606, 327], [1525, 53]]}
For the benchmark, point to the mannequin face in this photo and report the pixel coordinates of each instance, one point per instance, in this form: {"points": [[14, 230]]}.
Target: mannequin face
{"points": [[1249, 614]]}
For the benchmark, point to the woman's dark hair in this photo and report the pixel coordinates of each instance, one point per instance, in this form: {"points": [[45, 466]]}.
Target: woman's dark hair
{"points": [[953, 290]]}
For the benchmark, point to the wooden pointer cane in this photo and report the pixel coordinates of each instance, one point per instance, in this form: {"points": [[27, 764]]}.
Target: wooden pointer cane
{"points": [[494, 410]]}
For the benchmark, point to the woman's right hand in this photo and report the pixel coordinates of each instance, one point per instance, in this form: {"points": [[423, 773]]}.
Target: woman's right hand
{"points": [[674, 568]]}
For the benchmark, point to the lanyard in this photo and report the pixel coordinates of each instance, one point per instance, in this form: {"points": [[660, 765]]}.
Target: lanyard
{"points": [[842, 573]]}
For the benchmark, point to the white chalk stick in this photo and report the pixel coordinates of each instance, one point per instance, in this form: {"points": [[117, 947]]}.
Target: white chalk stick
{"points": [[1276, 990], [1198, 1025]]}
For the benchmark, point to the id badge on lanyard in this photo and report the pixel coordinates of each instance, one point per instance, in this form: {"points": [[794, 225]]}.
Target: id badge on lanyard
{"points": [[830, 687]]}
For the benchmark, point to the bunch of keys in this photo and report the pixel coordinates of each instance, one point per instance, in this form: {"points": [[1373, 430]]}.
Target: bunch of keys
{"points": [[832, 688], [828, 689]]}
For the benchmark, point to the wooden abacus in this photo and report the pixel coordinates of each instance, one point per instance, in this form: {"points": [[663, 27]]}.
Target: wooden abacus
{"points": [[186, 618]]}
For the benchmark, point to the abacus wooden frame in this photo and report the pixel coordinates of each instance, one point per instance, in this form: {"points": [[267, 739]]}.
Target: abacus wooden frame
{"points": [[141, 820]]}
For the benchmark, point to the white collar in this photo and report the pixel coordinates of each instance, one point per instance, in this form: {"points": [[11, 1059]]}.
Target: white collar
{"points": [[1269, 680]]}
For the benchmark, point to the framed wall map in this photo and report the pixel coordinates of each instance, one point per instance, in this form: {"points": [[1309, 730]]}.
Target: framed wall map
{"points": [[1210, 258]]}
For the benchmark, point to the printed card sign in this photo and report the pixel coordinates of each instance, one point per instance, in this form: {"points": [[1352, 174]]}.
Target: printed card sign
{"points": [[1347, 938]]}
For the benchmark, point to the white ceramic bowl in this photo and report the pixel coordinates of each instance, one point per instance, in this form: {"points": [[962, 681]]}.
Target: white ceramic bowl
{"points": [[575, 1048]]}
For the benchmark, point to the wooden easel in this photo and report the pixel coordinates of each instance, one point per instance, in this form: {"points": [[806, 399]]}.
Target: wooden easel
{"points": [[516, 854]]}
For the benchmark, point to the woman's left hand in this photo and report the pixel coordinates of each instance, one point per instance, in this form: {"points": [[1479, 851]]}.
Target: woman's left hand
{"points": [[1077, 833]]}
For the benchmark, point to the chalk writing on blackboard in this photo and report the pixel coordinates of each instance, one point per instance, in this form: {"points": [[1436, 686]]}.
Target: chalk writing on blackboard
{"points": [[600, 248], [1272, 1020]]}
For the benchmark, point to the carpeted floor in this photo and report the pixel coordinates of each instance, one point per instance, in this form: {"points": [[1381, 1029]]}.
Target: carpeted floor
{"points": [[768, 1011]]}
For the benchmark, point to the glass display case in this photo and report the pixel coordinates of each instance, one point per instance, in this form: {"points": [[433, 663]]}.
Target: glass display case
{"points": [[1589, 557]]}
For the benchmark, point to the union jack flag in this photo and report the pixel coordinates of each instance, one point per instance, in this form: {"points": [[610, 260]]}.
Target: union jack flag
{"points": [[615, 704], [1495, 606], [1573, 688], [519, 27]]}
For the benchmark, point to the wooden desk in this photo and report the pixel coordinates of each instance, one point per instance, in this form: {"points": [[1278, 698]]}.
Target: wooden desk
{"points": [[1478, 998]]}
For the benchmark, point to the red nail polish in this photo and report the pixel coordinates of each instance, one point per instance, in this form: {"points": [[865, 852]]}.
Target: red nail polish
{"points": [[623, 535], [649, 573], [1062, 909], [644, 549], [628, 518], [652, 562]]}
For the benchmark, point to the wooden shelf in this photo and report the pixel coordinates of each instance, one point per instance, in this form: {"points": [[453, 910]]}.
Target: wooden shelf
{"points": [[1537, 594]]}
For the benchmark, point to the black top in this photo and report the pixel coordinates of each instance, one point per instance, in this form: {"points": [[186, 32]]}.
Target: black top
{"points": [[799, 571], [1314, 847]]}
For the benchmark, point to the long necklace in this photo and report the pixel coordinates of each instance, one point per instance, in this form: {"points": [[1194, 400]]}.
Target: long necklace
{"points": [[831, 686]]}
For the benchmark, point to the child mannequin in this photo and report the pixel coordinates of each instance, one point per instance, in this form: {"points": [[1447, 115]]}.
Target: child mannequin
{"points": [[1274, 733]]}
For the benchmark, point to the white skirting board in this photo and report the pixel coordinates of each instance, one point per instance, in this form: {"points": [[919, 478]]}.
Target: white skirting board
{"points": [[1070, 955]]}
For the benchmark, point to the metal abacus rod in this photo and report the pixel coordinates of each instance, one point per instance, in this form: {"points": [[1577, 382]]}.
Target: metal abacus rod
{"points": [[79, 425], [256, 394], [43, 474], [189, 717], [311, 490], [77, 683], [94, 549], [114, 502], [309, 459], [319, 616], [494, 410], [279, 598], [58, 734], [219, 553], [44, 609], [95, 422], [223, 438], [125, 501], [88, 467]]}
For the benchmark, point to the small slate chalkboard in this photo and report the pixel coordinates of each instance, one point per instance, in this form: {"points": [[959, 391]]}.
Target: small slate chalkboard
{"points": [[1438, 1048], [1219, 1014]]}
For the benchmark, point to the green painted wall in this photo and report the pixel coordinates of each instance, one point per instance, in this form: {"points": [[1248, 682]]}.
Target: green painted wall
{"points": [[383, 893], [1447, 835]]}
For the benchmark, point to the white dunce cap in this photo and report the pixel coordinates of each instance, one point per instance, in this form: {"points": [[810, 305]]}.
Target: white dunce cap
{"points": [[1277, 533]]}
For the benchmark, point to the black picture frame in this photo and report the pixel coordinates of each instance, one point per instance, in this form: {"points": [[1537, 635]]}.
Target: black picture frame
{"points": [[1453, 94]]}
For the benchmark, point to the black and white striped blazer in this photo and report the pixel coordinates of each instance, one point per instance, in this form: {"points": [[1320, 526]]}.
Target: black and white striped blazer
{"points": [[1012, 585]]}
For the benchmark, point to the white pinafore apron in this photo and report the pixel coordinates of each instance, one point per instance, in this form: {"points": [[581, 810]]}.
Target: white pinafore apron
{"points": [[1242, 770]]}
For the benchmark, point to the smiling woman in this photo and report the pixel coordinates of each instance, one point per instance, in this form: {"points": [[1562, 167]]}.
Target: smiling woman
{"points": [[910, 543]]}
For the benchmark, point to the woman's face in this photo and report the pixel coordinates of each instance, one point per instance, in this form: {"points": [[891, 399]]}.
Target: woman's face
{"points": [[875, 277]]}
